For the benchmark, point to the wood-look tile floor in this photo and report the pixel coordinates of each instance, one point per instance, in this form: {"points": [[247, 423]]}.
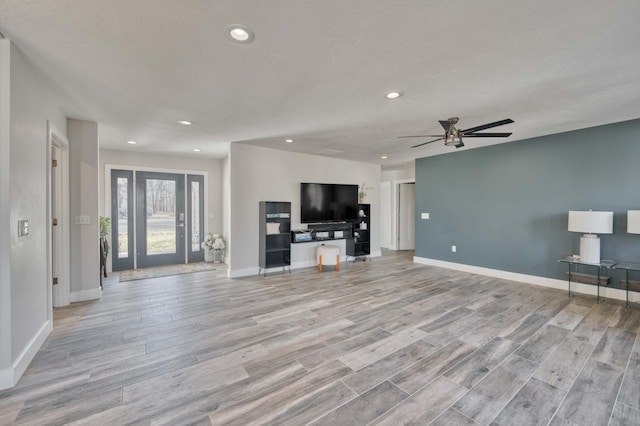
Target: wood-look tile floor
{"points": [[385, 342]]}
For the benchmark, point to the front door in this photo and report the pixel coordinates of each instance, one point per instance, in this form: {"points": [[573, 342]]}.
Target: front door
{"points": [[160, 219]]}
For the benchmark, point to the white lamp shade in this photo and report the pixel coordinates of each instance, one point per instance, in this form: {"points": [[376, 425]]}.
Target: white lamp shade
{"points": [[633, 221], [591, 222]]}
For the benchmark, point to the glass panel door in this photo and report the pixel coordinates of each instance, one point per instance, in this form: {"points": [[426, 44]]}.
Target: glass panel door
{"points": [[160, 219], [195, 214], [122, 219]]}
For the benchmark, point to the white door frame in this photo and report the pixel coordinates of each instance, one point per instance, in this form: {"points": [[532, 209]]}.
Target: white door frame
{"points": [[395, 196], [402, 216], [107, 199], [57, 139]]}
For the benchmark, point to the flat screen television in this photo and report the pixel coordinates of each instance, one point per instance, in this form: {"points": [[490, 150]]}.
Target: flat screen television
{"points": [[328, 202]]}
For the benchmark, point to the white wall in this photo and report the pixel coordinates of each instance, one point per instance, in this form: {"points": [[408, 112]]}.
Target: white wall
{"points": [[404, 172], [83, 200], [226, 202], [6, 358], [27, 103], [131, 160], [261, 174]]}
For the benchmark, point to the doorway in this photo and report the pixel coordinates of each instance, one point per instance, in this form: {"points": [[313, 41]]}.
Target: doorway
{"points": [[406, 216], [161, 222], [59, 269]]}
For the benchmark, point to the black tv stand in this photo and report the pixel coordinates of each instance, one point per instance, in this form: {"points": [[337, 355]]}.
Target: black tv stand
{"points": [[323, 232]]}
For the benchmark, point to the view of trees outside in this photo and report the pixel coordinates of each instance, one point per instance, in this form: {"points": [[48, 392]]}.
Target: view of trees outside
{"points": [[195, 216], [123, 218], [161, 216]]}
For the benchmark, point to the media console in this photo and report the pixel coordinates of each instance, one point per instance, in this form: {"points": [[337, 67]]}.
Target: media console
{"points": [[356, 234], [323, 232]]}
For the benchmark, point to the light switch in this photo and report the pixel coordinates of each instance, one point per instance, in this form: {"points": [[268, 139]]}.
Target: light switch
{"points": [[23, 228], [83, 220], [424, 216], [454, 249]]}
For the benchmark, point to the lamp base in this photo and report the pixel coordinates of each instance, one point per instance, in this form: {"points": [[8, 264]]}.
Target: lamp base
{"points": [[590, 248]]}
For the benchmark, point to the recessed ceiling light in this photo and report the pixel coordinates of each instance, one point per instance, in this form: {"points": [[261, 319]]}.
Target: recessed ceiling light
{"points": [[384, 157], [392, 95], [185, 122], [288, 140], [196, 149], [239, 34], [132, 142]]}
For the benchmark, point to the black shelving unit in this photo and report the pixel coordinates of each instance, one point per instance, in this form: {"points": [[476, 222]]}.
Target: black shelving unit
{"points": [[359, 247], [275, 235]]}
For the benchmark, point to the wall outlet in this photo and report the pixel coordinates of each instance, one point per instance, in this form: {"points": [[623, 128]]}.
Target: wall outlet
{"points": [[424, 216], [454, 249]]}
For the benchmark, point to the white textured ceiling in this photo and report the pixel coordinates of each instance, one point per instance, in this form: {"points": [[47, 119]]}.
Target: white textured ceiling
{"points": [[317, 70]]}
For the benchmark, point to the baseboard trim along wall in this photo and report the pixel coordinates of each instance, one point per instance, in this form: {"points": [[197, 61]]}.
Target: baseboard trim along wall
{"points": [[82, 295], [9, 377], [611, 293]]}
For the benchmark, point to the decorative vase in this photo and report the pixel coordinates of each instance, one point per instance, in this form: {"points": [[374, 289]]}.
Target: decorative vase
{"points": [[218, 256], [208, 255]]}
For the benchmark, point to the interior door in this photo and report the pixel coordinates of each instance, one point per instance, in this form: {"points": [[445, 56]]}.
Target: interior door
{"points": [[160, 219], [406, 216]]}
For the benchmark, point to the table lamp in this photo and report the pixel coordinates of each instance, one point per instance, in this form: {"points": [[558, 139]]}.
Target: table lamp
{"points": [[590, 223], [633, 221]]}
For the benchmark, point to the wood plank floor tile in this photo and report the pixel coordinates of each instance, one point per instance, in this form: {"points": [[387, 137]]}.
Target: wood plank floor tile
{"points": [[570, 316], [630, 390], [592, 397], [381, 370], [264, 406], [543, 343], [614, 348], [426, 370], [375, 351], [452, 417], [485, 400], [623, 415], [425, 405], [563, 366], [475, 367], [594, 324], [366, 407], [535, 404], [205, 349]]}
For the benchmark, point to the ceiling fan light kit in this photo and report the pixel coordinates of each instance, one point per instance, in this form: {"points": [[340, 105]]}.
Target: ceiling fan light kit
{"points": [[453, 136]]}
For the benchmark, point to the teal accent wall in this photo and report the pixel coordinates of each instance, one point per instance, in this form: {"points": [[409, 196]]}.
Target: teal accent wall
{"points": [[505, 206]]}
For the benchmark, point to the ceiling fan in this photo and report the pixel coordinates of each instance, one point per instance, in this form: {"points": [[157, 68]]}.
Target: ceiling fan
{"points": [[453, 136]]}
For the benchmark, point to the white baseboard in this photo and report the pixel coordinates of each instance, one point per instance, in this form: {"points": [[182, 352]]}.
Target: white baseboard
{"points": [[6, 379], [82, 295], [612, 293], [9, 377]]}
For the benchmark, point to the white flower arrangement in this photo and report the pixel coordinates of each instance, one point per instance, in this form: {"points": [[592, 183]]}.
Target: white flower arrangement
{"points": [[214, 242]]}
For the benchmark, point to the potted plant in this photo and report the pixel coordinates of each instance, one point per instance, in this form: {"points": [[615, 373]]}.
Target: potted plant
{"points": [[362, 192], [105, 226], [213, 245]]}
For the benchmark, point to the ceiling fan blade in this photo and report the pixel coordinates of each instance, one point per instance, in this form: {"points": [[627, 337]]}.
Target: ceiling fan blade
{"points": [[488, 125], [424, 143], [445, 124], [486, 135], [419, 136]]}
